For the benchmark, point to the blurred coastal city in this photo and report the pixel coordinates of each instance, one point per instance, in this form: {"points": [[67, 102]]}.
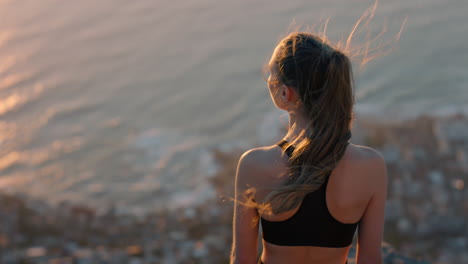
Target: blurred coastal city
{"points": [[122, 122]]}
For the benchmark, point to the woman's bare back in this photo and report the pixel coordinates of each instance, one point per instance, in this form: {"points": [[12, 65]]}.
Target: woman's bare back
{"points": [[348, 192]]}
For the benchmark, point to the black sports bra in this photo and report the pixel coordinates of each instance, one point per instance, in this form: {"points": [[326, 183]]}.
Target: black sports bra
{"points": [[312, 224]]}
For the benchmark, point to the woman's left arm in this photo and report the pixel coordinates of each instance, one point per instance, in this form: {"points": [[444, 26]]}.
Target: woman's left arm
{"points": [[245, 221]]}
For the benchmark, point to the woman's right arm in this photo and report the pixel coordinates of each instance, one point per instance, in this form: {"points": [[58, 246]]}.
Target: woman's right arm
{"points": [[371, 226], [245, 219]]}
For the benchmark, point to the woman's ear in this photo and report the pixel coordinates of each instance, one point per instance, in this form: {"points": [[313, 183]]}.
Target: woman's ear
{"points": [[286, 93]]}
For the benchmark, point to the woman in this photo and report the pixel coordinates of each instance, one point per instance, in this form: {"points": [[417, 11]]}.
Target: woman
{"points": [[313, 189]]}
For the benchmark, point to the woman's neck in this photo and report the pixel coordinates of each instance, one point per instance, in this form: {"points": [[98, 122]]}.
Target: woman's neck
{"points": [[297, 124]]}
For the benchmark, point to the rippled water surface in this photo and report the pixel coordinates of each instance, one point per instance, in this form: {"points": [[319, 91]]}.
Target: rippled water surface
{"points": [[120, 102]]}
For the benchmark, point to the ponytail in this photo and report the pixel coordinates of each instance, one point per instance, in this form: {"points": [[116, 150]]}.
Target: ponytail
{"points": [[322, 76]]}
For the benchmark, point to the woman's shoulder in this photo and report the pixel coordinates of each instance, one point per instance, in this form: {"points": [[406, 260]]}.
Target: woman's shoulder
{"points": [[273, 155], [263, 156], [359, 164], [364, 156], [363, 152], [367, 163], [268, 156], [260, 163]]}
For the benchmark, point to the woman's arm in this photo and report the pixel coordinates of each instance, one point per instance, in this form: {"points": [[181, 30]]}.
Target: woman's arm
{"points": [[371, 226], [245, 221]]}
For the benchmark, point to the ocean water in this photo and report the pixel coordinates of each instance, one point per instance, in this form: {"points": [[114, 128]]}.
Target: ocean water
{"points": [[121, 102]]}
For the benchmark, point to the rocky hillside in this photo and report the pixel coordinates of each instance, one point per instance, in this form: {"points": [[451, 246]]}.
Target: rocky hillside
{"points": [[425, 216]]}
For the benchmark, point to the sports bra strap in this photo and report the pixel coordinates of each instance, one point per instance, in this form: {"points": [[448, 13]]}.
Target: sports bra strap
{"points": [[286, 147]]}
